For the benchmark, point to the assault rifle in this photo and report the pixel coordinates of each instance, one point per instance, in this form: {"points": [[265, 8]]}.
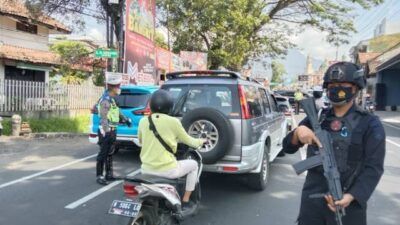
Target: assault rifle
{"points": [[326, 157]]}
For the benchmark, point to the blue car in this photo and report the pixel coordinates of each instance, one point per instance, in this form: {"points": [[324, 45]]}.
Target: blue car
{"points": [[133, 103]]}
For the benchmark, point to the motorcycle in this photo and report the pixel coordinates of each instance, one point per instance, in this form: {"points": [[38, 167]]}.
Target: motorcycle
{"points": [[153, 200], [370, 106]]}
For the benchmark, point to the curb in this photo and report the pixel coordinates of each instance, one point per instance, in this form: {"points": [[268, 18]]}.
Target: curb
{"points": [[55, 135]]}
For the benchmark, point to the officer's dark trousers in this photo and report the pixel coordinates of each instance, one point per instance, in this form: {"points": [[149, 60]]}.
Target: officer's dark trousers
{"points": [[104, 158], [297, 107], [316, 212]]}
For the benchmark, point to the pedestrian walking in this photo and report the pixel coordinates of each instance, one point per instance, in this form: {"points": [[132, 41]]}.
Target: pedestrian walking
{"points": [[358, 140], [110, 117], [298, 96]]}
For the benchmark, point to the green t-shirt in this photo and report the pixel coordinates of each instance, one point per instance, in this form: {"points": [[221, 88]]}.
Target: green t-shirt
{"points": [[153, 155]]}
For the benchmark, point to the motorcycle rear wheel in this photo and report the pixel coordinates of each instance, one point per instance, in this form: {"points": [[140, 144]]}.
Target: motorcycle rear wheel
{"points": [[143, 218]]}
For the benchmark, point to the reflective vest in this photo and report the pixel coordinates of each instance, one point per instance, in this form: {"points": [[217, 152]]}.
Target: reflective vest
{"points": [[113, 113]]}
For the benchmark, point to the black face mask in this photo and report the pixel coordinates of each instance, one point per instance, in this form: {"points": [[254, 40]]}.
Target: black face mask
{"points": [[340, 95]]}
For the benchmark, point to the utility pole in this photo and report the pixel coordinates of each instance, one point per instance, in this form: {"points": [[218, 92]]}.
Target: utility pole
{"points": [[121, 38], [169, 48]]}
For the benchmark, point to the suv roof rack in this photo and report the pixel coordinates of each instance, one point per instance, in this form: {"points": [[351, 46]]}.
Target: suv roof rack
{"points": [[253, 80], [200, 73]]}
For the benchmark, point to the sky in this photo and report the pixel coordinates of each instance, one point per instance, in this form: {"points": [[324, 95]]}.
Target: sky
{"points": [[312, 41]]}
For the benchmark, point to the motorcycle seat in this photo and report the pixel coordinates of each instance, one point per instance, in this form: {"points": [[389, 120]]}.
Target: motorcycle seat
{"points": [[152, 179]]}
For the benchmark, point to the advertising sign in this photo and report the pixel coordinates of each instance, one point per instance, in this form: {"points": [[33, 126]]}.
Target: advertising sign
{"points": [[176, 63], [197, 60], [303, 77], [139, 36], [163, 59]]}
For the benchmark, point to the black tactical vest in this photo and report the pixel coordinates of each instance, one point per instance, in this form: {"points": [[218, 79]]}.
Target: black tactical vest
{"points": [[347, 144]]}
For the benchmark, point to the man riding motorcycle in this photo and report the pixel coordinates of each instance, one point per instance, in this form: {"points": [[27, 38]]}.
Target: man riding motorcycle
{"points": [[159, 136]]}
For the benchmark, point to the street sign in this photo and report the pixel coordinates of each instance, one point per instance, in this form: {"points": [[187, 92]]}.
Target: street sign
{"points": [[113, 1], [106, 53], [303, 77]]}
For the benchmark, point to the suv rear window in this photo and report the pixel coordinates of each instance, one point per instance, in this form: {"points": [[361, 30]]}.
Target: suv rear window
{"points": [[132, 100], [189, 97]]}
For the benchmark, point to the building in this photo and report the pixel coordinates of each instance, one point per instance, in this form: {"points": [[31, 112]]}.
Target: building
{"points": [[24, 43], [383, 76], [314, 78], [369, 49]]}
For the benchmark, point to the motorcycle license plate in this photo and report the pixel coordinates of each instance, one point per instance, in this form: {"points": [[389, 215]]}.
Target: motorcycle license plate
{"points": [[125, 208]]}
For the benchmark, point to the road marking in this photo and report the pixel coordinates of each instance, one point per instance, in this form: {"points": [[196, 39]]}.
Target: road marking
{"points": [[390, 125], [94, 194], [392, 142], [45, 171]]}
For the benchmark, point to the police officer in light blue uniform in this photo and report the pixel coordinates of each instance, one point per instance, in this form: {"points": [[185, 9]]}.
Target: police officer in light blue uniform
{"points": [[359, 147], [110, 117]]}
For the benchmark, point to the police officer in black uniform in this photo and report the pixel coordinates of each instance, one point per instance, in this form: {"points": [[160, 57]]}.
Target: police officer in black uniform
{"points": [[359, 145]]}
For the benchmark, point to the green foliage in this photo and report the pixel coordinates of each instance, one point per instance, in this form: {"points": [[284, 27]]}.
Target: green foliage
{"points": [[71, 52], [78, 124], [6, 126], [160, 41], [234, 31], [278, 70]]}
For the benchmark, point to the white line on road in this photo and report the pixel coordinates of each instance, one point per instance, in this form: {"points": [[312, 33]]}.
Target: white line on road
{"points": [[94, 194], [45, 171], [390, 125], [392, 142]]}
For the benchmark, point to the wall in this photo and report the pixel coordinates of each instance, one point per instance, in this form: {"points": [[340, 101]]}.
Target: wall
{"points": [[10, 35], [392, 80]]}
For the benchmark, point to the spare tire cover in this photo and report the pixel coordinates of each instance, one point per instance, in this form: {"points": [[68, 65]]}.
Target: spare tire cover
{"points": [[213, 119]]}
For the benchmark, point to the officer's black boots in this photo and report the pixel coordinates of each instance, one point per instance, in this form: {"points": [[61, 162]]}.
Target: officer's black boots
{"points": [[109, 169], [99, 173]]}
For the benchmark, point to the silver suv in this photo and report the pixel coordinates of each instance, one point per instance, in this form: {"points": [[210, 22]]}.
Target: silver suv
{"points": [[237, 115]]}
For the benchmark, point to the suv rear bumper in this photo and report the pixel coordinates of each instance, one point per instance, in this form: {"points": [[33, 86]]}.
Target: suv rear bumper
{"points": [[251, 159], [128, 139]]}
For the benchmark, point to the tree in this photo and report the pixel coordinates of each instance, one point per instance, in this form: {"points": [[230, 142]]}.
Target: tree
{"points": [[159, 40], [278, 70], [234, 31], [71, 53]]}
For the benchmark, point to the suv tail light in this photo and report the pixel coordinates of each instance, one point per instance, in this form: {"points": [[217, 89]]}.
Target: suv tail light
{"points": [[143, 112], [243, 103], [130, 190]]}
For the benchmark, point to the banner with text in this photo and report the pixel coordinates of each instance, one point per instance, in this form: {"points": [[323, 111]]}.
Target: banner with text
{"points": [[139, 41]]}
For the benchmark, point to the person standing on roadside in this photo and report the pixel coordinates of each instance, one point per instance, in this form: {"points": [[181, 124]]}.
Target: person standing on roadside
{"points": [[358, 140], [298, 96], [110, 117]]}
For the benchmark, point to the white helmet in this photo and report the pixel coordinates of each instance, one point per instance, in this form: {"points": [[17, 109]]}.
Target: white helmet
{"points": [[113, 78], [317, 88]]}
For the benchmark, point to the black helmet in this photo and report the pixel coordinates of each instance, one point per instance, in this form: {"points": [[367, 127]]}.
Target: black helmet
{"points": [[161, 102], [345, 72]]}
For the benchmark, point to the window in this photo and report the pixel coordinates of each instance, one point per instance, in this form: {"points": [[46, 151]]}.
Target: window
{"points": [[265, 101], [273, 103], [253, 101], [190, 97], [26, 27], [132, 100]]}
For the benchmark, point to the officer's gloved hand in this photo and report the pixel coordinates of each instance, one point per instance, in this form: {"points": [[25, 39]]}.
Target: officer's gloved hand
{"points": [[129, 122]]}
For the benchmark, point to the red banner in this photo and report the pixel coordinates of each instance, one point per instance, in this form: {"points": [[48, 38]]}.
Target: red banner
{"points": [[139, 39], [163, 59], [197, 60]]}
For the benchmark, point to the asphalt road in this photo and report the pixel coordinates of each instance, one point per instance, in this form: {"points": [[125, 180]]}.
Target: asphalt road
{"points": [[53, 182]]}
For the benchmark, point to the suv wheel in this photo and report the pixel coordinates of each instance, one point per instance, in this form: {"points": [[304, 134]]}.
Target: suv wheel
{"points": [[213, 125], [259, 181]]}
